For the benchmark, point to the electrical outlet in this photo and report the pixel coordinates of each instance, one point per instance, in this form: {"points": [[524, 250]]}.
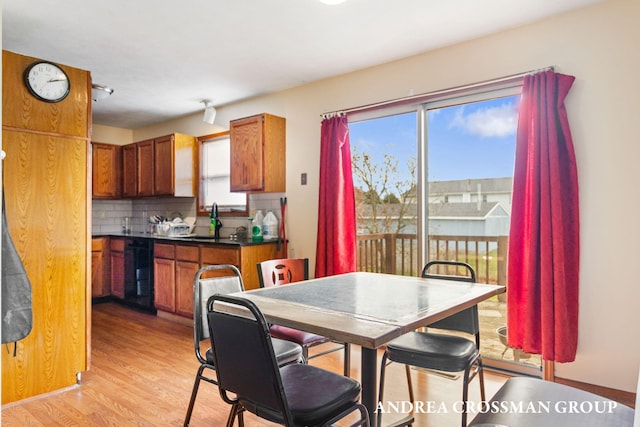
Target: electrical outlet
{"points": [[303, 178]]}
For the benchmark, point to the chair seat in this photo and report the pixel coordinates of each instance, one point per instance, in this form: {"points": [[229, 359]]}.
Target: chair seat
{"points": [[329, 394], [295, 335], [433, 351], [286, 352]]}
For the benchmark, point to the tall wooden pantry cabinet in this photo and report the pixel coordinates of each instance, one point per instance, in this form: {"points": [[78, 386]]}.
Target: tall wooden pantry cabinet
{"points": [[47, 205]]}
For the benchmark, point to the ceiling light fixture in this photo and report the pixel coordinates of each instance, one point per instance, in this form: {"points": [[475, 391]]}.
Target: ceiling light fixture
{"points": [[99, 92], [209, 112]]}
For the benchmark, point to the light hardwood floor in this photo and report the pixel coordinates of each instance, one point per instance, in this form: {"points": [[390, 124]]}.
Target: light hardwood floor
{"points": [[142, 372]]}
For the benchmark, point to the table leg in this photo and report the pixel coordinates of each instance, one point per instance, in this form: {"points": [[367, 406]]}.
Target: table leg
{"points": [[368, 380]]}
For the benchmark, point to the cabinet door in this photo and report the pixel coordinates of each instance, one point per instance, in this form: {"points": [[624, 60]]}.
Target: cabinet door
{"points": [[246, 154], [145, 168], [185, 272], [163, 166], [129, 170], [164, 284], [117, 274], [97, 269], [106, 170]]}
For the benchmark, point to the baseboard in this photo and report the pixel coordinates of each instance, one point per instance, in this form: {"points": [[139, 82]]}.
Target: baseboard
{"points": [[624, 397]]}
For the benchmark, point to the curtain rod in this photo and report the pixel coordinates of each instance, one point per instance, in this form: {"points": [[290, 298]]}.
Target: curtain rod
{"points": [[424, 96]]}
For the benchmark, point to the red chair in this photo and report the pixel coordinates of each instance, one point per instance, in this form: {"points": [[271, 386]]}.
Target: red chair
{"points": [[278, 272]]}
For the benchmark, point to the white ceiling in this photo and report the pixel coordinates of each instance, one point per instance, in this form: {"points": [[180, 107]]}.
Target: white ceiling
{"points": [[163, 57]]}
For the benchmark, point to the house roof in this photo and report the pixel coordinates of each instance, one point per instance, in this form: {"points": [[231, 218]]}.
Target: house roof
{"points": [[480, 210], [486, 185]]}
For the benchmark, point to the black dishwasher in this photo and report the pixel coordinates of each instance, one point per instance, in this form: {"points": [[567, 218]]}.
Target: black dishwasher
{"points": [[138, 271]]}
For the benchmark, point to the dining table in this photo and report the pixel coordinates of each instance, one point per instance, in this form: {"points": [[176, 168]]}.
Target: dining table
{"points": [[368, 310]]}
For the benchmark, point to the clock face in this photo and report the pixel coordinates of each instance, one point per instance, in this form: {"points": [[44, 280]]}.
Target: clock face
{"points": [[47, 81]]}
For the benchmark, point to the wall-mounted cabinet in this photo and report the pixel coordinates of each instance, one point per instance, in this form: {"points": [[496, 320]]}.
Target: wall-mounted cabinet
{"points": [[145, 172], [130, 170], [258, 147], [106, 171], [163, 166]]}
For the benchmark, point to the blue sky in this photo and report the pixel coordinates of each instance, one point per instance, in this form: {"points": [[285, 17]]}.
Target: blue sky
{"points": [[467, 141]]}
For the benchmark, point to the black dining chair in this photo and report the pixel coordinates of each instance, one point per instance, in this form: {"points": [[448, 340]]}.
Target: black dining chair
{"points": [[250, 379], [441, 351], [226, 279], [276, 272]]}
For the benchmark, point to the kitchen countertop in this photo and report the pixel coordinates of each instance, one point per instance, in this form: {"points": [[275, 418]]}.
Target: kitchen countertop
{"points": [[187, 239]]}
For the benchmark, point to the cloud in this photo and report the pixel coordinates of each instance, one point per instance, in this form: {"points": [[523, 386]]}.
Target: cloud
{"points": [[487, 122]]}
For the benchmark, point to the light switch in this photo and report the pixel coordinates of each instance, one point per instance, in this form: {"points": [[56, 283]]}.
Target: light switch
{"points": [[303, 178]]}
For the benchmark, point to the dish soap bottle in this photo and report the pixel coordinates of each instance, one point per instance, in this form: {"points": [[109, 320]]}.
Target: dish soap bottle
{"points": [[256, 227]]}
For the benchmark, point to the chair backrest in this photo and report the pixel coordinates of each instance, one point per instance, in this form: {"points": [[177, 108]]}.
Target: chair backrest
{"points": [[466, 320], [203, 288], [246, 367], [276, 272]]}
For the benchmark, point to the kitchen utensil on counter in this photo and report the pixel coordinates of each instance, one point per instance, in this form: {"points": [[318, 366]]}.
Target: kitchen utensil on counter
{"points": [[126, 225]]}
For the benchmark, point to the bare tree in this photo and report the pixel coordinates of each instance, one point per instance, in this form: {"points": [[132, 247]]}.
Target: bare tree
{"points": [[385, 198]]}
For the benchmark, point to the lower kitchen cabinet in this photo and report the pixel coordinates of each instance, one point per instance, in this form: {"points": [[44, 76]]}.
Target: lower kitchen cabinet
{"points": [[117, 260], [243, 257], [164, 277], [185, 272], [100, 272], [187, 265], [175, 266]]}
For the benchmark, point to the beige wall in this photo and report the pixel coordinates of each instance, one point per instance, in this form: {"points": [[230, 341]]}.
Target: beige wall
{"points": [[598, 45], [111, 135]]}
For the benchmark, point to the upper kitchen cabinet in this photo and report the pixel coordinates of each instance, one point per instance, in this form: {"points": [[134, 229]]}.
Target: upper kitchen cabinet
{"points": [[145, 167], [163, 166], [130, 170], [258, 148], [106, 171]]}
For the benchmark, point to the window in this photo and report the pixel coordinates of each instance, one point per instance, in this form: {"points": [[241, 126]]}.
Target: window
{"points": [[457, 204], [215, 179]]}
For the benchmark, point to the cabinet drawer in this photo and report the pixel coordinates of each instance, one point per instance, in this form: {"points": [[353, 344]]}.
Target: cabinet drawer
{"points": [[98, 244], [188, 253], [117, 245], [161, 250], [211, 256]]}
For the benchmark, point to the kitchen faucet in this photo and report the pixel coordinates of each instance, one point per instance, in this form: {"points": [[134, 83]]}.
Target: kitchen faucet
{"points": [[216, 224]]}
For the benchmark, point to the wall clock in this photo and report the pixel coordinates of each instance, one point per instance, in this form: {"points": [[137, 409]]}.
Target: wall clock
{"points": [[46, 81]]}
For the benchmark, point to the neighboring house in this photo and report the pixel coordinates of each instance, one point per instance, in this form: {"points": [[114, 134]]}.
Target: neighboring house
{"points": [[473, 190], [468, 207], [449, 219], [468, 219]]}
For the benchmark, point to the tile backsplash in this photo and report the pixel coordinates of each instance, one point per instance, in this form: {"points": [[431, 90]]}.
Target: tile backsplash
{"points": [[107, 214]]}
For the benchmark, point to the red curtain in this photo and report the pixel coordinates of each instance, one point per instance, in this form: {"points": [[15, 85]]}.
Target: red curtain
{"points": [[336, 243], [544, 241]]}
